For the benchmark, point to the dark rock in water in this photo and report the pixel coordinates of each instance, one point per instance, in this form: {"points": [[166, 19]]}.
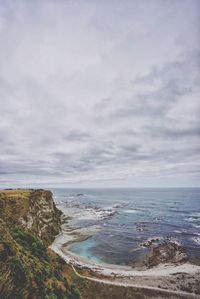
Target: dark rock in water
{"points": [[141, 226], [150, 242], [80, 194], [167, 252]]}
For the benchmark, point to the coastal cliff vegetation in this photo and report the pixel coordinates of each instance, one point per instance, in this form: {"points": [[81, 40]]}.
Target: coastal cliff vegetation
{"points": [[29, 222]]}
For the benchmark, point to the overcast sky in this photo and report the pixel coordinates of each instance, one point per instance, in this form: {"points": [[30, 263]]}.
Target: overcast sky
{"points": [[100, 93]]}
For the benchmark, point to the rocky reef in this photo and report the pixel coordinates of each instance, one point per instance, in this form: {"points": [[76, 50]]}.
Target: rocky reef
{"points": [[169, 251]]}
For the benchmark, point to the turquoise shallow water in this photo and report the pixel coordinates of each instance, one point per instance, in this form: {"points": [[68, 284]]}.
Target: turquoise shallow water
{"points": [[133, 216], [84, 249]]}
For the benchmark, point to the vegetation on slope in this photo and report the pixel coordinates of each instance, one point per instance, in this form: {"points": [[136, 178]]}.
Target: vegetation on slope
{"points": [[28, 269]]}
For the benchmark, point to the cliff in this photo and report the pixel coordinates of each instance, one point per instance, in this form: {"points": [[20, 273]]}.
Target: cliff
{"points": [[33, 210], [29, 221]]}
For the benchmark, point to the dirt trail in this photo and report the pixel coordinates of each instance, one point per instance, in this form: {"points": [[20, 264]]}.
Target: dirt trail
{"points": [[125, 284]]}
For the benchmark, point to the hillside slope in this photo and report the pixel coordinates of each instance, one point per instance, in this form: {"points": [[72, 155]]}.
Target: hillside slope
{"points": [[29, 221]]}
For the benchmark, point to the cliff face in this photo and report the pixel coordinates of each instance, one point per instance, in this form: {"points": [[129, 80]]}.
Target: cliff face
{"points": [[33, 210], [42, 217], [29, 222]]}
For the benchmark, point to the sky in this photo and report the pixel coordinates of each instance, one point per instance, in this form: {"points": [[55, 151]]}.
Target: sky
{"points": [[100, 93]]}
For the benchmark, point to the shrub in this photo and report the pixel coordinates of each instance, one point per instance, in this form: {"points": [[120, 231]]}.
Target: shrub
{"points": [[30, 243], [18, 271], [74, 293]]}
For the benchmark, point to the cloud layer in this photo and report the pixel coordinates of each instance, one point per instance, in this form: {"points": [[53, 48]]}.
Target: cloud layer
{"points": [[99, 93]]}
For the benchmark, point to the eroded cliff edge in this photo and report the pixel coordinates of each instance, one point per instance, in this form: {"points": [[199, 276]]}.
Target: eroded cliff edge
{"points": [[29, 221], [33, 210]]}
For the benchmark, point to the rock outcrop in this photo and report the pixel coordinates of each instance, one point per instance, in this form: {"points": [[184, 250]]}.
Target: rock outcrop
{"points": [[167, 252], [34, 210]]}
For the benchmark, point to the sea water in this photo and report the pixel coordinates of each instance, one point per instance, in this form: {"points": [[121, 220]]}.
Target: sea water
{"points": [[129, 217]]}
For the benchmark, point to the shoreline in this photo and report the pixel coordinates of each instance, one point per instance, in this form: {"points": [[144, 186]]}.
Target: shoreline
{"points": [[171, 277], [115, 270]]}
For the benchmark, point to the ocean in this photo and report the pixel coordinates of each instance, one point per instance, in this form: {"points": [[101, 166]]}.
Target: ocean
{"points": [[129, 217]]}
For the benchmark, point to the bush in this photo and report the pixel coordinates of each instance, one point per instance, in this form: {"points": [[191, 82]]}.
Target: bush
{"points": [[6, 250], [74, 293], [18, 271], [30, 243]]}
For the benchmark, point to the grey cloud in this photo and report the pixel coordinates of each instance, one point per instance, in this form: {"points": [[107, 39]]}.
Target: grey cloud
{"points": [[176, 79], [174, 133], [77, 136], [83, 99]]}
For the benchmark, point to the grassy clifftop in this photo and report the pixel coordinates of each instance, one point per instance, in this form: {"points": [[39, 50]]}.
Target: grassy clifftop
{"points": [[29, 221]]}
